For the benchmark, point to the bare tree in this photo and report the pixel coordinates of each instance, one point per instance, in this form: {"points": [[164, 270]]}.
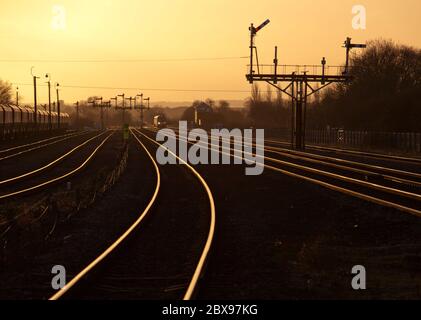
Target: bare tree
{"points": [[384, 93], [223, 106], [268, 94], [5, 92]]}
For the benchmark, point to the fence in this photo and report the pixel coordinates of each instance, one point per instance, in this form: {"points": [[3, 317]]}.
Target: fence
{"points": [[404, 142], [408, 142]]}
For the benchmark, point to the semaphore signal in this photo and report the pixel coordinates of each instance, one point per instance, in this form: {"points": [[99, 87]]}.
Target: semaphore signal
{"points": [[299, 80]]}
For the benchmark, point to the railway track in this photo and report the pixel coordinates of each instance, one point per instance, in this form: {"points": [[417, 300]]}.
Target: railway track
{"points": [[32, 143], [30, 182], [49, 165], [159, 203], [14, 152], [385, 158], [382, 185], [340, 151]]}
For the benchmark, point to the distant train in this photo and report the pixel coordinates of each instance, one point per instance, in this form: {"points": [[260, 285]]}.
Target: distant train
{"points": [[160, 121], [16, 120]]}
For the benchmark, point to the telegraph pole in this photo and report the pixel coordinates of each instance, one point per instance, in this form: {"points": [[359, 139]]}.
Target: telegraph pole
{"points": [[141, 107], [102, 105], [115, 99], [35, 97], [123, 107], [130, 99], [48, 76], [108, 106], [58, 106], [145, 108], [17, 96], [77, 115], [102, 113]]}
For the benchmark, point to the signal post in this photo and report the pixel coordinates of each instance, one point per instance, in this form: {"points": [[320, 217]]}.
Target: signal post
{"points": [[300, 81]]}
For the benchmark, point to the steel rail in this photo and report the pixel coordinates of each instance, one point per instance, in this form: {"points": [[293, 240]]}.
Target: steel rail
{"points": [[346, 168], [382, 202], [355, 152], [38, 170], [206, 250], [35, 142], [354, 163], [42, 146], [62, 177], [343, 161], [123, 237]]}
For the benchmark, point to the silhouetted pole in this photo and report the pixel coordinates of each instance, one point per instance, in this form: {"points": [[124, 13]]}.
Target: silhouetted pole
{"points": [[304, 120], [49, 100], [77, 115], [58, 106], [115, 98], [141, 112], [141, 108], [348, 46], [299, 116], [130, 99], [17, 96], [146, 99], [102, 113], [275, 62], [116, 104], [122, 95], [35, 97], [293, 111], [252, 34], [106, 104]]}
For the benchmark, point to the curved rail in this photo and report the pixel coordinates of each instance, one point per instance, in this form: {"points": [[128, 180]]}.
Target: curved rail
{"points": [[397, 206], [111, 248], [38, 170], [203, 257], [35, 142], [62, 177], [42, 146]]}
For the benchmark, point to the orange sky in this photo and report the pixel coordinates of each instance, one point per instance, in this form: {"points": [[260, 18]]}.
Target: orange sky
{"points": [[304, 31]]}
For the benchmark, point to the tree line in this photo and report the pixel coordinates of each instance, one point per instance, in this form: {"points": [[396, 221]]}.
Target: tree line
{"points": [[384, 94]]}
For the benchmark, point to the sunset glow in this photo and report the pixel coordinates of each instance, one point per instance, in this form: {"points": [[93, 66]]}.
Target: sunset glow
{"points": [[112, 33]]}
